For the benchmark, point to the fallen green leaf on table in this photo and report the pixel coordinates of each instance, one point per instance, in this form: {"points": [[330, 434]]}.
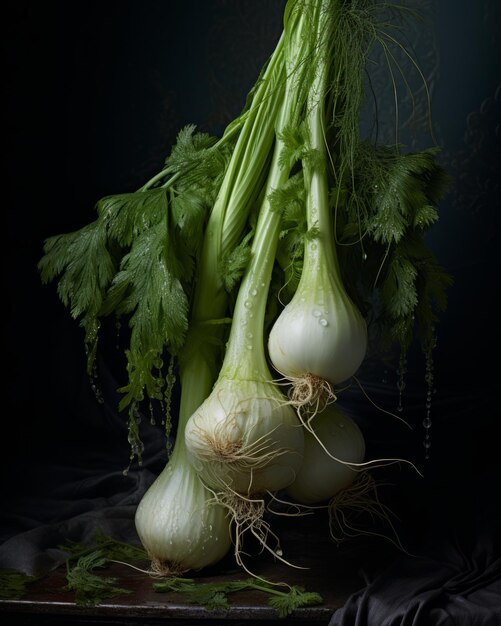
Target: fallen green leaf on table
{"points": [[13, 584], [214, 595]]}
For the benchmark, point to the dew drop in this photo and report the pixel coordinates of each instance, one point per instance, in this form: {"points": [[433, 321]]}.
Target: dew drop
{"points": [[317, 313], [430, 389], [249, 335], [279, 552], [248, 304], [364, 256], [254, 292], [401, 372], [323, 322], [249, 346], [118, 327]]}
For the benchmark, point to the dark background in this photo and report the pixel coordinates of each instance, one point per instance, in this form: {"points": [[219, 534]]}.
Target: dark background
{"points": [[95, 93]]}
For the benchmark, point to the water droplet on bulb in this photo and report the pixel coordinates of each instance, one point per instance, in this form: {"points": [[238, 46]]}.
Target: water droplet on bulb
{"points": [[317, 313], [248, 304], [254, 292], [323, 322]]}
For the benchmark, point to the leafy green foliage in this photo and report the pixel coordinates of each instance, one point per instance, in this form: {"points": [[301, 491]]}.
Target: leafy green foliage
{"points": [[214, 595], [289, 200], [87, 267], [14, 584], [90, 588], [196, 162], [234, 263], [110, 548], [297, 597], [392, 203], [128, 215], [138, 260]]}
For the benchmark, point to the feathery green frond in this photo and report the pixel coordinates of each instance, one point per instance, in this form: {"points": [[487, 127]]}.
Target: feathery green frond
{"points": [[128, 215], [214, 595], [14, 585], [89, 588], [234, 263]]}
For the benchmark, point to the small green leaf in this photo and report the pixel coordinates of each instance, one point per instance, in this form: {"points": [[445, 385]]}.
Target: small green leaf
{"points": [[128, 215], [234, 263], [14, 584], [285, 603]]}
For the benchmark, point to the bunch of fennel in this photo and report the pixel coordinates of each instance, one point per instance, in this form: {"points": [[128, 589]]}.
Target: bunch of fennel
{"points": [[231, 270]]}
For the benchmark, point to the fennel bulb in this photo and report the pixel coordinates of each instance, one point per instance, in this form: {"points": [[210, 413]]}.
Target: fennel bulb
{"points": [[332, 449], [245, 437], [320, 333], [178, 524], [177, 520]]}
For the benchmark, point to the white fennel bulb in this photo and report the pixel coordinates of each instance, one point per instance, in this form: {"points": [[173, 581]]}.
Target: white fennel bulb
{"points": [[333, 449], [320, 333], [178, 524], [245, 437], [178, 521]]}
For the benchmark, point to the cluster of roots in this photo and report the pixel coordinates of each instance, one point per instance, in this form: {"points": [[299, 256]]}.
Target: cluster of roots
{"points": [[310, 394], [163, 568], [348, 508], [247, 514]]}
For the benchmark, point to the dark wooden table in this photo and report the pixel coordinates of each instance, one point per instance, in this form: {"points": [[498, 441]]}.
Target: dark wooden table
{"points": [[330, 569]]}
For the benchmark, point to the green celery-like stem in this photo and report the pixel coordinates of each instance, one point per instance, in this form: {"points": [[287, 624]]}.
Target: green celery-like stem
{"points": [[320, 250], [239, 190], [196, 379], [245, 357]]}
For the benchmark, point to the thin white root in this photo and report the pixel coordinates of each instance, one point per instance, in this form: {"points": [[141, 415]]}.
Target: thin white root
{"points": [[247, 515], [314, 394], [376, 406], [360, 498]]}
